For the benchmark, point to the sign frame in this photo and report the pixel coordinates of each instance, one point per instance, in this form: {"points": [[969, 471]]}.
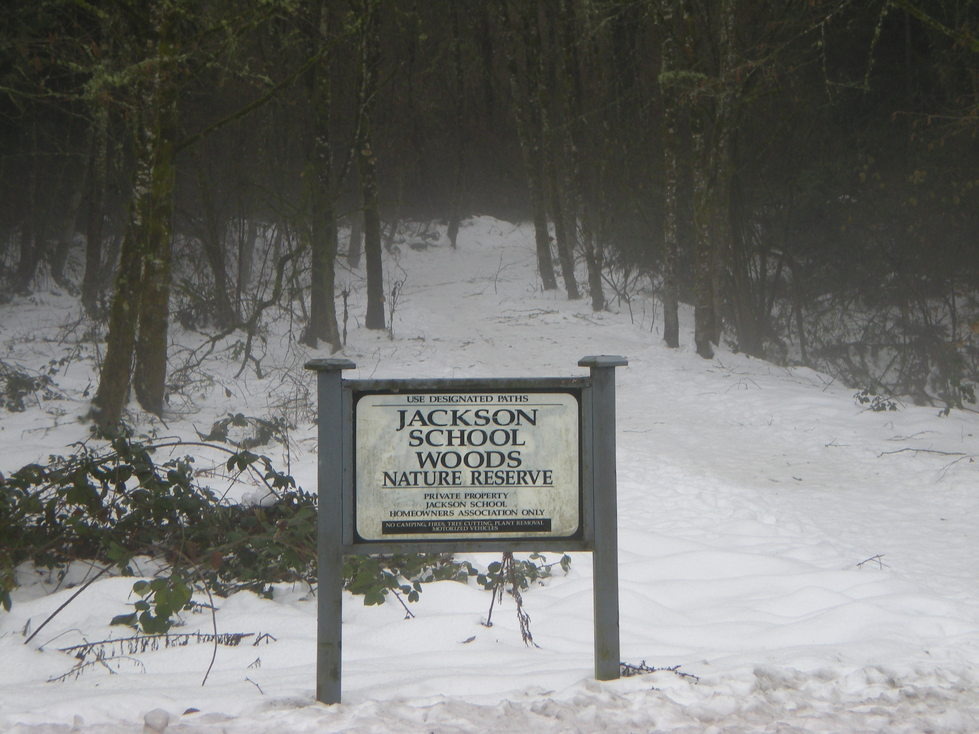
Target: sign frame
{"points": [[336, 528], [581, 539]]}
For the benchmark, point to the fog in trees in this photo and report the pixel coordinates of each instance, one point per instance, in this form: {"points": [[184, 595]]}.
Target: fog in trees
{"points": [[802, 175]]}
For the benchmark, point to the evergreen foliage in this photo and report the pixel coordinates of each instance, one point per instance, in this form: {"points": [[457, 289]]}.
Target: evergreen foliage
{"points": [[110, 506], [802, 173]]}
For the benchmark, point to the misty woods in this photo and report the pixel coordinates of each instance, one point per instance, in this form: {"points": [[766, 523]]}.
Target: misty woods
{"points": [[801, 174]]}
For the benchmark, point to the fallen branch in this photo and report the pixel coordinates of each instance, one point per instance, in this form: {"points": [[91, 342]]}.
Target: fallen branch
{"points": [[877, 558], [923, 451], [627, 670], [137, 644]]}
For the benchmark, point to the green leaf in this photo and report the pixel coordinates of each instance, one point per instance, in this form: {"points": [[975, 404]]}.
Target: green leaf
{"points": [[373, 597], [154, 625], [118, 555], [127, 620]]}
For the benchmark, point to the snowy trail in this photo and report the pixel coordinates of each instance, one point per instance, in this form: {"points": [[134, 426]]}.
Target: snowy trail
{"points": [[749, 496]]}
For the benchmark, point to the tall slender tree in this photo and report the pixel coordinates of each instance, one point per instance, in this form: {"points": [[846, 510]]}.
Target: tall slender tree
{"points": [[370, 55], [669, 79], [136, 349], [555, 118], [579, 59], [321, 197], [521, 30]]}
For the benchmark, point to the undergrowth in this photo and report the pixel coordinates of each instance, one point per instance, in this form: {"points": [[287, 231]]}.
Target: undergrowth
{"points": [[112, 504]]}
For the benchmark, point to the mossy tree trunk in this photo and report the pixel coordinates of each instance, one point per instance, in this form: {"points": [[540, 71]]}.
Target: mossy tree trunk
{"points": [[136, 349]]}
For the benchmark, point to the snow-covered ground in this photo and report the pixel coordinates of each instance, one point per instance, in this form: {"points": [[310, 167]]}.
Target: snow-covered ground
{"points": [[810, 565]]}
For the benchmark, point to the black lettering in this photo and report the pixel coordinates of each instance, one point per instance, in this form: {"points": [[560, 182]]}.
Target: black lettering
{"points": [[427, 459], [523, 415]]}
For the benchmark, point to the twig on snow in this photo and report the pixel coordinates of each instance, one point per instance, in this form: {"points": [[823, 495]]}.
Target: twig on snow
{"points": [[923, 451], [627, 670], [878, 559]]}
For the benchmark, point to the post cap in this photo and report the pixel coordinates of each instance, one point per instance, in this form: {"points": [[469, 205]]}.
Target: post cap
{"points": [[330, 365], [603, 360]]}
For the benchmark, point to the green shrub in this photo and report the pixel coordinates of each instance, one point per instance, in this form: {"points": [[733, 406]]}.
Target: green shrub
{"points": [[118, 502]]}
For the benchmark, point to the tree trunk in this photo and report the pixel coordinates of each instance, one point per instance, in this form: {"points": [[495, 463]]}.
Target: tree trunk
{"points": [[594, 262], [355, 244], [98, 176], [66, 237], [713, 198], [140, 307], [30, 241], [452, 230], [671, 101], [149, 377], [798, 302], [323, 226], [367, 167], [686, 199], [563, 238], [552, 101], [703, 274], [213, 238], [723, 165], [246, 260], [115, 378], [322, 315], [748, 296], [372, 240], [459, 154], [579, 218], [528, 122]]}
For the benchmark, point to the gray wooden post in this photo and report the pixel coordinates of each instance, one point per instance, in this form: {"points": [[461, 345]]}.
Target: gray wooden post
{"points": [[605, 557], [330, 477]]}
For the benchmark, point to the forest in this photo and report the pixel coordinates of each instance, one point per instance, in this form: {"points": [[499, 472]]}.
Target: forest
{"points": [[803, 174]]}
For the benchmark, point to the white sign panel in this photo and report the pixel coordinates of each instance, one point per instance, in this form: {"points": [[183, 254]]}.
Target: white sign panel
{"points": [[478, 465]]}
